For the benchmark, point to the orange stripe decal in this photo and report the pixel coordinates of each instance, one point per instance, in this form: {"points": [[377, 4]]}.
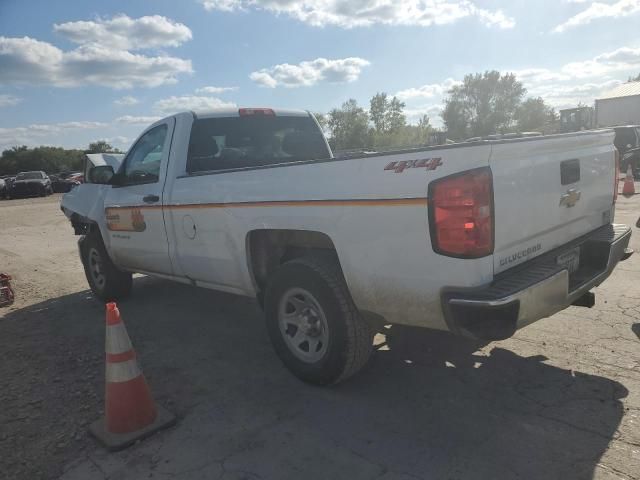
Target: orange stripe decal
{"points": [[388, 202]]}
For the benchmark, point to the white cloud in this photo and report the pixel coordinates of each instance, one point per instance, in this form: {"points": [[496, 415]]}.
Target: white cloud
{"points": [[570, 95], [118, 141], [215, 90], [126, 101], [428, 91], [581, 81], [9, 100], [136, 120], [414, 114], [620, 60], [29, 61], [566, 86], [310, 72], [363, 13], [190, 102], [123, 32], [597, 10], [34, 134]]}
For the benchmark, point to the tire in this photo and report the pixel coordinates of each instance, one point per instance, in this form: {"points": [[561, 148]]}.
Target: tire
{"points": [[107, 282], [338, 340]]}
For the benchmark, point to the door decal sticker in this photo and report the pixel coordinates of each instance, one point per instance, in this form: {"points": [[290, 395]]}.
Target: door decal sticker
{"points": [[125, 220]]}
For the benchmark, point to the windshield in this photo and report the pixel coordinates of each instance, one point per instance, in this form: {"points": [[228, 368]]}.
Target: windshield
{"points": [[29, 176]]}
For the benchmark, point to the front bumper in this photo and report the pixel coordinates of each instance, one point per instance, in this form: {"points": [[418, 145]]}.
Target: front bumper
{"points": [[536, 289]]}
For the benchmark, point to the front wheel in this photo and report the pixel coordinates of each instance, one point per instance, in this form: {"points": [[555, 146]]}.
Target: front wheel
{"points": [[313, 323], [107, 282]]}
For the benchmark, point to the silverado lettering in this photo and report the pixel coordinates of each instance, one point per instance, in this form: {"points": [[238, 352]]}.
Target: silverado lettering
{"points": [[520, 255]]}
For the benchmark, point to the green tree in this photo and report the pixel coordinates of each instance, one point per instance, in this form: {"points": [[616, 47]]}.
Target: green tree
{"points": [[49, 159], [533, 115], [387, 115], [388, 122], [378, 106], [634, 79], [395, 118], [101, 146], [348, 126], [484, 104]]}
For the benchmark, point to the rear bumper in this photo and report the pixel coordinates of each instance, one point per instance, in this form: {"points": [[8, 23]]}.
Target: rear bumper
{"points": [[537, 289]]}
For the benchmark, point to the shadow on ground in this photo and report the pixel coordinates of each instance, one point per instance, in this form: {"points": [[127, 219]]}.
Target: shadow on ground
{"points": [[428, 406], [635, 328]]}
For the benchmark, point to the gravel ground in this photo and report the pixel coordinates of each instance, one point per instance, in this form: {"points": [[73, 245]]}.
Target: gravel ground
{"points": [[561, 399]]}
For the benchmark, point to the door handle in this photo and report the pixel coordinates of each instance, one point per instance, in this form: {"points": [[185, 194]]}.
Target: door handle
{"points": [[151, 198]]}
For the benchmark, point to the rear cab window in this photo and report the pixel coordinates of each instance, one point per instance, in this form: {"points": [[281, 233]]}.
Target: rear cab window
{"points": [[226, 143]]}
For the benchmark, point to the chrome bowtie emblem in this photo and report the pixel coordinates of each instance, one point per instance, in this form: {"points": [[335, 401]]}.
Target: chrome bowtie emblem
{"points": [[570, 198]]}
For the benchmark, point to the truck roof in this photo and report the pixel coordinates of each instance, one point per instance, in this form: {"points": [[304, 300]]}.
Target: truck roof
{"points": [[235, 112]]}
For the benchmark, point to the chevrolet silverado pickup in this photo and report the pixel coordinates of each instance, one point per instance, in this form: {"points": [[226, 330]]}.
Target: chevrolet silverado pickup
{"points": [[480, 238]]}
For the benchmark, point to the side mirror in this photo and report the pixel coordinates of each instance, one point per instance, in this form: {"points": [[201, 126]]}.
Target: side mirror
{"points": [[101, 175]]}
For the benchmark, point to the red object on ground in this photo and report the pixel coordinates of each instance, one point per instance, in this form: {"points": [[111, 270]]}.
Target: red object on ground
{"points": [[7, 296], [130, 412], [629, 187]]}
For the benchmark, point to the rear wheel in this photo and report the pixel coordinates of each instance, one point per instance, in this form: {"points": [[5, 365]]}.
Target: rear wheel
{"points": [[313, 323], [107, 282]]}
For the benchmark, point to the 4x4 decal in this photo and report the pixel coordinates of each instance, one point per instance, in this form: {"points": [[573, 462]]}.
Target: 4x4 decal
{"points": [[426, 163]]}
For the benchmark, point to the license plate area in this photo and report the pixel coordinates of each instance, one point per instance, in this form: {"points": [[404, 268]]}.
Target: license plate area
{"points": [[570, 259]]}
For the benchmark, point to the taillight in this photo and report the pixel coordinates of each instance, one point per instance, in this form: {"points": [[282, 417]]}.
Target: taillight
{"points": [[461, 214], [616, 176], [265, 112]]}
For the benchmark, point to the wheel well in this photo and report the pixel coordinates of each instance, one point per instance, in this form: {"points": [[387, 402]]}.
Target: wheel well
{"points": [[82, 225], [268, 249]]}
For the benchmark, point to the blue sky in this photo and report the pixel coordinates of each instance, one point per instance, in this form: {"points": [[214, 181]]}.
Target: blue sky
{"points": [[76, 71]]}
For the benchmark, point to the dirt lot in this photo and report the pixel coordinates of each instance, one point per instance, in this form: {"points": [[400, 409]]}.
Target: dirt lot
{"points": [[559, 400]]}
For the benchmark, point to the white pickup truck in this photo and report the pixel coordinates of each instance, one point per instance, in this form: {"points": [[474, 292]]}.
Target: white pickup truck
{"points": [[479, 238]]}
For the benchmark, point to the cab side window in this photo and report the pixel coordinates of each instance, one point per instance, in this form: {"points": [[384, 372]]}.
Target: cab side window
{"points": [[142, 165]]}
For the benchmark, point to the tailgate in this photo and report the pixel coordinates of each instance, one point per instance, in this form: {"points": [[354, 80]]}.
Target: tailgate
{"points": [[549, 191]]}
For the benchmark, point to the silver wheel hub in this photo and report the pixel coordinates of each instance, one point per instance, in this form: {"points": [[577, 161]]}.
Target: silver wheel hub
{"points": [[303, 325], [96, 268]]}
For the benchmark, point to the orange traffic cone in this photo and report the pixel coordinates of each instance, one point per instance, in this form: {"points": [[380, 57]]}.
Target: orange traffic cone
{"points": [[629, 187], [130, 412]]}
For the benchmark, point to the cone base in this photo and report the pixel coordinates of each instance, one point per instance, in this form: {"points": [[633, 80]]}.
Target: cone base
{"points": [[118, 441]]}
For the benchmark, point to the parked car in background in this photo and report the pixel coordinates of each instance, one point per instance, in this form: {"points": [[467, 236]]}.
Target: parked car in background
{"points": [[3, 188], [30, 184], [62, 185], [627, 141], [76, 177]]}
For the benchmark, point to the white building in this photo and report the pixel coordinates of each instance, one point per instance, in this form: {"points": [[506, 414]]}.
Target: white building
{"points": [[620, 106]]}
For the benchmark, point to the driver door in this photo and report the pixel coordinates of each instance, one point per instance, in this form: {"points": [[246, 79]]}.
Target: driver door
{"points": [[134, 208]]}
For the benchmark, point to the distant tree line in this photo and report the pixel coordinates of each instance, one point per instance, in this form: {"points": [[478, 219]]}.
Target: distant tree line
{"points": [[484, 104], [48, 159], [384, 125]]}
